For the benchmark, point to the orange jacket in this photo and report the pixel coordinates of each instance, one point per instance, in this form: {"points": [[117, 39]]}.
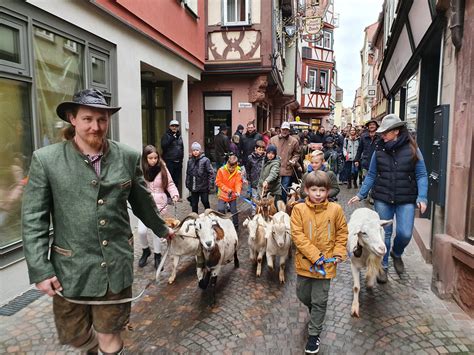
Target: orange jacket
{"points": [[317, 230], [228, 184]]}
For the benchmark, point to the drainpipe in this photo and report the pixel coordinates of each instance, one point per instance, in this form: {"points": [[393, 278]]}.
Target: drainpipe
{"points": [[457, 22]]}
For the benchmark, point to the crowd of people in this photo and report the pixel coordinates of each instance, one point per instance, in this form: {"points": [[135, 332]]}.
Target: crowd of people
{"points": [[84, 183]]}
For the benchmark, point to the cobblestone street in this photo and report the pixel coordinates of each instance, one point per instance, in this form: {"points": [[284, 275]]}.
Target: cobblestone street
{"points": [[258, 315]]}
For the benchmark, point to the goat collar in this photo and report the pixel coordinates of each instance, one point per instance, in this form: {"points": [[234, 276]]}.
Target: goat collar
{"points": [[317, 206]]}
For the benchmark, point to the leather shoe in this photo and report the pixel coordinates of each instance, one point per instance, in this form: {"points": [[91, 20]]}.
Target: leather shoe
{"points": [[382, 277], [146, 253], [397, 263]]}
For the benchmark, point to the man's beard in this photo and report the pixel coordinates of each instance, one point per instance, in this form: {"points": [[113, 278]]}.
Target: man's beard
{"points": [[95, 141]]}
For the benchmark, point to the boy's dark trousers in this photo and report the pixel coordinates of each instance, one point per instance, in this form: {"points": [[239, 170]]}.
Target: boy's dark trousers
{"points": [[222, 208], [314, 294], [195, 200]]}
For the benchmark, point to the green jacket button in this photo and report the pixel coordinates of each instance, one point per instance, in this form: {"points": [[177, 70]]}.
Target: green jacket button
{"points": [[94, 182], [102, 222], [105, 243], [100, 202], [103, 264]]}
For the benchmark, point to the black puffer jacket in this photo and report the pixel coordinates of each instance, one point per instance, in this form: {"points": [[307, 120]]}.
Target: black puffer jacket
{"points": [[199, 174], [367, 146], [396, 179], [172, 146], [222, 147], [254, 167], [248, 144]]}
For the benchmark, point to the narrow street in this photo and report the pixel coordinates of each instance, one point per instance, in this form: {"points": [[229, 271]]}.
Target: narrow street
{"points": [[260, 316]]}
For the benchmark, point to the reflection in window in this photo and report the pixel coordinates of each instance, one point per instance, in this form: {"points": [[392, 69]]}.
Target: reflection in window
{"points": [[99, 71], [58, 74], [9, 44], [15, 150]]}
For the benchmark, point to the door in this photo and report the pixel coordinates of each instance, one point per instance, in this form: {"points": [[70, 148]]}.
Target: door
{"points": [[156, 109], [217, 111]]}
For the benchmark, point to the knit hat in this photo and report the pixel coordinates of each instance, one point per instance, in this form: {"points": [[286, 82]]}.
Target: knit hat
{"points": [[272, 148], [196, 146]]}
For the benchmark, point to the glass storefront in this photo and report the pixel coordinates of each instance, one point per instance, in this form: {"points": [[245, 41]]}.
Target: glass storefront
{"points": [[15, 152], [39, 68]]}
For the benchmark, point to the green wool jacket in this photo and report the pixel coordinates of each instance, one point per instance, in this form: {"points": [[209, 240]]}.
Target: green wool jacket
{"points": [[271, 173], [92, 248]]}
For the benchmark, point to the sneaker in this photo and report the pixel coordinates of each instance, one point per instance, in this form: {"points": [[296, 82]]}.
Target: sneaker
{"points": [[382, 277], [397, 263], [312, 346]]}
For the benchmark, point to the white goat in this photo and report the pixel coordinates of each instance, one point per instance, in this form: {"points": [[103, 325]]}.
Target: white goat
{"points": [[219, 242], [259, 232], [366, 245], [184, 243], [279, 241]]}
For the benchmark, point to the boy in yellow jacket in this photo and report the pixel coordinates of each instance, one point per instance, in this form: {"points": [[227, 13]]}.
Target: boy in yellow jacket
{"points": [[229, 183], [319, 231]]}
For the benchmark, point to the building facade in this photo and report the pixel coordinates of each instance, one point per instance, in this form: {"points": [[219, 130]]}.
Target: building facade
{"points": [[426, 75], [317, 93], [50, 49], [249, 69]]}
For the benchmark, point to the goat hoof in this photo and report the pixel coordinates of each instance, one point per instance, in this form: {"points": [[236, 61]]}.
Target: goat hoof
{"points": [[170, 281], [354, 312]]}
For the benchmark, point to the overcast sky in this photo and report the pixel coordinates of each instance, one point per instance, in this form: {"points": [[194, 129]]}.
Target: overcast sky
{"points": [[354, 16]]}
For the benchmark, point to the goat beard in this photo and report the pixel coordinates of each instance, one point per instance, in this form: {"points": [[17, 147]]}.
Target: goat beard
{"points": [[374, 266]]}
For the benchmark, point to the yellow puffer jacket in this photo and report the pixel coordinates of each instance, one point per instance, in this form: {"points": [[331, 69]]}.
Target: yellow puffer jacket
{"points": [[317, 230]]}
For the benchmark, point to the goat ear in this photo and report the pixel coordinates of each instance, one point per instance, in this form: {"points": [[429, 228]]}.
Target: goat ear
{"points": [[219, 231], [384, 222], [246, 222]]}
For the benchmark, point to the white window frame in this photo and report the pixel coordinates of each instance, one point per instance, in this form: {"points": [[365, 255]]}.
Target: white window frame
{"points": [[105, 88], [317, 74], [326, 76], [312, 82], [235, 23], [321, 42], [192, 6], [329, 35]]}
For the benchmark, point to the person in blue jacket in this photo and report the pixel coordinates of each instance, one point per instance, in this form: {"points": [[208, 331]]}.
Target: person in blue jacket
{"points": [[399, 182]]}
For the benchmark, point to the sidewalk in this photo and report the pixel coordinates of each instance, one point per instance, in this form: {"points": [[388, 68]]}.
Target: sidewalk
{"points": [[260, 316]]}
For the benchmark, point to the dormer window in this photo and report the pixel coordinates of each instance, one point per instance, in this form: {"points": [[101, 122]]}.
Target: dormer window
{"points": [[236, 12]]}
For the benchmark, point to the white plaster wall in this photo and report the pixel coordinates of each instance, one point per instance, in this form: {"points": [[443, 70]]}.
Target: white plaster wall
{"points": [[132, 48]]}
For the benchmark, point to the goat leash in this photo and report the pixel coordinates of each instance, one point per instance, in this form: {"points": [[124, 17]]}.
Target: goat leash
{"points": [[106, 302]]}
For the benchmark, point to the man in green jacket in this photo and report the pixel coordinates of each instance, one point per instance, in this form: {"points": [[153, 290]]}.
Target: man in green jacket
{"points": [[82, 186]]}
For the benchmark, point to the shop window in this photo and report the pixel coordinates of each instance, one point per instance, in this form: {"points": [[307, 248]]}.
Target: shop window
{"points": [[13, 44], [236, 12], [58, 75], [15, 151]]}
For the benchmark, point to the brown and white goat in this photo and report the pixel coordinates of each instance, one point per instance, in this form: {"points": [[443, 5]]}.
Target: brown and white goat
{"points": [[219, 242], [259, 231], [185, 241], [367, 239], [293, 196], [265, 207]]}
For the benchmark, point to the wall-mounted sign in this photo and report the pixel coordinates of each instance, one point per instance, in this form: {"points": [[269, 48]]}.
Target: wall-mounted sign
{"points": [[245, 105], [313, 25]]}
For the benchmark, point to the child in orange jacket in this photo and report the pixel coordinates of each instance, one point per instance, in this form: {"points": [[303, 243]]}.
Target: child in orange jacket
{"points": [[229, 184]]}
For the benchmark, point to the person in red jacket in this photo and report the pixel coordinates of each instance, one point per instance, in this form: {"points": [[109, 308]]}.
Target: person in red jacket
{"points": [[229, 184]]}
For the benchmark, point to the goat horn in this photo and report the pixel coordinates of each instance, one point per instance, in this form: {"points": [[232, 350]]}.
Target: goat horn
{"points": [[209, 211], [192, 215]]}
